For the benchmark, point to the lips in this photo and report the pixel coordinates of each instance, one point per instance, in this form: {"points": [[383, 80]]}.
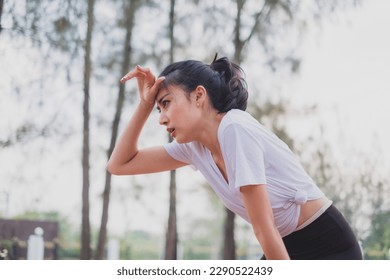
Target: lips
{"points": [[171, 131]]}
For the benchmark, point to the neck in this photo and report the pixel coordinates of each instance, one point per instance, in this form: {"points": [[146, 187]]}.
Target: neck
{"points": [[208, 136]]}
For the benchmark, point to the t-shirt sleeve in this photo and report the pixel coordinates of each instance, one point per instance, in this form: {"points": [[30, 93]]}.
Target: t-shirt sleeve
{"points": [[244, 156], [180, 152]]}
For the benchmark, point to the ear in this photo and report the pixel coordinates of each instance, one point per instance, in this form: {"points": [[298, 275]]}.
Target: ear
{"points": [[200, 94]]}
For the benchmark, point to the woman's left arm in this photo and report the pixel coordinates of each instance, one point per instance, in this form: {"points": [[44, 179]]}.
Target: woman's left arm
{"points": [[259, 210]]}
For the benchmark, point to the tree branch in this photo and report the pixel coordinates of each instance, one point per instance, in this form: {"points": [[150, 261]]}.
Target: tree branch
{"points": [[261, 15]]}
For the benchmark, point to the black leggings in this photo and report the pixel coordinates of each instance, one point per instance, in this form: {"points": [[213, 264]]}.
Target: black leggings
{"points": [[329, 237]]}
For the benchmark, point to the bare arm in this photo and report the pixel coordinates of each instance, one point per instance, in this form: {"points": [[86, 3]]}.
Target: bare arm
{"points": [[126, 159], [259, 210]]}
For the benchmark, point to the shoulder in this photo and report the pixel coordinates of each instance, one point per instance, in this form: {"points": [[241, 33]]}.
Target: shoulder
{"points": [[236, 115], [240, 128], [238, 121]]}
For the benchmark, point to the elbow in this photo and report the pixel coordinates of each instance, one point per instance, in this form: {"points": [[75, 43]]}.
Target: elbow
{"points": [[119, 169], [117, 166], [112, 169]]}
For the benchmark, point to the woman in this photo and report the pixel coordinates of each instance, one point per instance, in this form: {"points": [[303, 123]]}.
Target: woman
{"points": [[253, 172]]}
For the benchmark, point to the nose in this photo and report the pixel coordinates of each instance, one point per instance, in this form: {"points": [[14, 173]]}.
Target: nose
{"points": [[163, 119]]}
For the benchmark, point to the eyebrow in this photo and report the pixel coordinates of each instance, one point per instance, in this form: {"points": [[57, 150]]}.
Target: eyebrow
{"points": [[161, 99]]}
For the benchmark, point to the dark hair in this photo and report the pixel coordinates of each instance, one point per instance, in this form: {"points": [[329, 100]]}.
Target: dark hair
{"points": [[223, 80]]}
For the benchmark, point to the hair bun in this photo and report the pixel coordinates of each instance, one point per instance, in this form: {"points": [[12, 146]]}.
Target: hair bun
{"points": [[235, 93]]}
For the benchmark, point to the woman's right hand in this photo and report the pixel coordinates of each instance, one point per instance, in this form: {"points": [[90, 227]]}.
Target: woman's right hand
{"points": [[147, 84]]}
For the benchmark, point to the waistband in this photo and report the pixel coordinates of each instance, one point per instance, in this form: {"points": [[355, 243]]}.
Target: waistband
{"points": [[316, 215]]}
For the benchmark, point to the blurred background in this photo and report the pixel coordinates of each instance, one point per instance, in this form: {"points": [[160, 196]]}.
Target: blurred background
{"points": [[317, 73]]}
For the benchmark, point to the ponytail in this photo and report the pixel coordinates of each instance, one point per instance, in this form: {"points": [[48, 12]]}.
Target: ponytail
{"points": [[223, 80], [233, 92]]}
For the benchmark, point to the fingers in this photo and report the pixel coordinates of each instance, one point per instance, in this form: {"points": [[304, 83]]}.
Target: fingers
{"points": [[157, 84], [132, 74], [139, 72]]}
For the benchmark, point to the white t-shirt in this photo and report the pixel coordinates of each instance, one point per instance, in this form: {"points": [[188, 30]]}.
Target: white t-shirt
{"points": [[253, 155]]}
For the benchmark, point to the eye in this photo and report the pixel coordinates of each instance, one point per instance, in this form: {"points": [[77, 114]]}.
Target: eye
{"points": [[165, 103]]}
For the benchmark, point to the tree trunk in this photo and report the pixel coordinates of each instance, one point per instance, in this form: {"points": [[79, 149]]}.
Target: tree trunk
{"points": [[129, 13], [172, 236], [229, 243], [1, 12], [229, 249], [85, 253]]}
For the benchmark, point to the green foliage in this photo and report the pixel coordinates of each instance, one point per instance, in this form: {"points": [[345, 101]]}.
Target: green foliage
{"points": [[377, 244], [35, 215], [140, 245], [198, 249]]}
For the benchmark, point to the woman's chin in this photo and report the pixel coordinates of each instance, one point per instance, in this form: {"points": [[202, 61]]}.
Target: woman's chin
{"points": [[181, 140]]}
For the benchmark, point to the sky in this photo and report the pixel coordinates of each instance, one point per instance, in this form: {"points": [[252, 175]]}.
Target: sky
{"points": [[345, 72]]}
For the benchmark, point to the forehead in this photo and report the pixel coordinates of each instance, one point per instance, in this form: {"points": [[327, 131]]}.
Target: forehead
{"points": [[168, 90], [162, 91]]}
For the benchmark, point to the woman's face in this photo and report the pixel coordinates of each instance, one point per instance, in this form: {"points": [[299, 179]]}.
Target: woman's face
{"points": [[179, 113]]}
